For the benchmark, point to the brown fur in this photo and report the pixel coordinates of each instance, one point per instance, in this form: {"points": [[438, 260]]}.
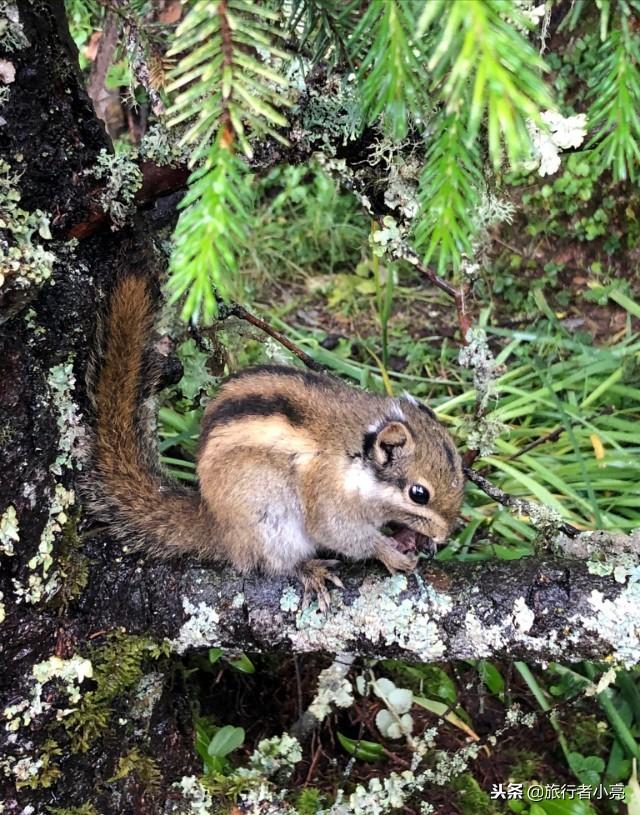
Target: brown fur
{"points": [[290, 462], [142, 505]]}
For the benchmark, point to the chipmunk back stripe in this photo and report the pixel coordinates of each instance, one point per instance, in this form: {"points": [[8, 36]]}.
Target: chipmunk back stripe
{"points": [[252, 405]]}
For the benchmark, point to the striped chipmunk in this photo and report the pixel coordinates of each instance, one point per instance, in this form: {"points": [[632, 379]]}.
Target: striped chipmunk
{"points": [[291, 464]]}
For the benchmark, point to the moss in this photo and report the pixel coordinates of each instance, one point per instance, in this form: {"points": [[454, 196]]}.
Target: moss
{"points": [[143, 766], [526, 764], [470, 798], [117, 669], [309, 801], [73, 566], [45, 771], [83, 809]]}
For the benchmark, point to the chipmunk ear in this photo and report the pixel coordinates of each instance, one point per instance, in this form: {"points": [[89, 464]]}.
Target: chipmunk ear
{"points": [[387, 444]]}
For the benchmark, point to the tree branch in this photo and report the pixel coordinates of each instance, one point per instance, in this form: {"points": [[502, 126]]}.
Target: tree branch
{"points": [[536, 610]]}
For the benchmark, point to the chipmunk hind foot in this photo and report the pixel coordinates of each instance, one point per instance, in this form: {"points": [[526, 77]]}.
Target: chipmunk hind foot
{"points": [[314, 575]]}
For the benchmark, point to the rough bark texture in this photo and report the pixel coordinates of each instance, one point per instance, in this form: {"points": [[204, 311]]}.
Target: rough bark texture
{"points": [[534, 610], [538, 610]]}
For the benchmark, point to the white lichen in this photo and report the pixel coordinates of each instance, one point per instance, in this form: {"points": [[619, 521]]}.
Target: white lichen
{"points": [[562, 133], [617, 622], [333, 688], [381, 615], [9, 531], [196, 795], [12, 36], [478, 357], [275, 755], [200, 630], [523, 616], [263, 799], [289, 600], [71, 672]]}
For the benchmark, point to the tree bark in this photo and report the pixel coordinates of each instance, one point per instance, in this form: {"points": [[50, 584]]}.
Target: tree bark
{"points": [[539, 610], [534, 610]]}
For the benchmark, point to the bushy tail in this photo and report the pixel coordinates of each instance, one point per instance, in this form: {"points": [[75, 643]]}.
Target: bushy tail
{"points": [[139, 502]]}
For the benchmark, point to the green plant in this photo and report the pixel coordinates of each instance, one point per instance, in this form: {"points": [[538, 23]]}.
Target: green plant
{"points": [[213, 745], [117, 668]]}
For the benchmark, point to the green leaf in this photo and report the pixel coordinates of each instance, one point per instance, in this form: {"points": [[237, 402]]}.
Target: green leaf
{"points": [[491, 677], [214, 655], [614, 114], [391, 75], [225, 741], [479, 46], [364, 750], [243, 664]]}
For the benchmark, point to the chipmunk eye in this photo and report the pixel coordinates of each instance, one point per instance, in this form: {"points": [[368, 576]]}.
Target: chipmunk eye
{"points": [[419, 494]]}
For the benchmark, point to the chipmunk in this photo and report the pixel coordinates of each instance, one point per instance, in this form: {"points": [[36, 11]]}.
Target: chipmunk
{"points": [[290, 463]]}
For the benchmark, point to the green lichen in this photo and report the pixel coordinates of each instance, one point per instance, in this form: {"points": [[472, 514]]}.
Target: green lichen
{"points": [[70, 673], [24, 261], [9, 531], [43, 583], [161, 147], [62, 382], [123, 180], [331, 110]]}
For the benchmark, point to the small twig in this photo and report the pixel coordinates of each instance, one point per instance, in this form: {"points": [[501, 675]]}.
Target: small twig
{"points": [[553, 435], [242, 314], [507, 500], [464, 320]]}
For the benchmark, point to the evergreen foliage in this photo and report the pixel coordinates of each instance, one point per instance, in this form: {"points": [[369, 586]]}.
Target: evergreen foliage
{"points": [[225, 94], [615, 109], [463, 81]]}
